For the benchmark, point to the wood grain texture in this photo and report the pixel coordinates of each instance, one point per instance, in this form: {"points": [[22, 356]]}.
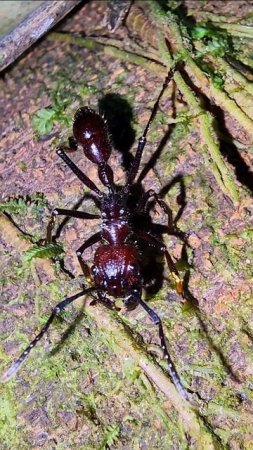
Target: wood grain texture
{"points": [[13, 44]]}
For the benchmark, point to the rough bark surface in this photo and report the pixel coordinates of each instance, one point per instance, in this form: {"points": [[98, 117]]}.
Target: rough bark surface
{"points": [[90, 388]]}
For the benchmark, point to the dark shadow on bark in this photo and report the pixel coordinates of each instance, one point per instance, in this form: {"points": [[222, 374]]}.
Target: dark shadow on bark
{"points": [[119, 117]]}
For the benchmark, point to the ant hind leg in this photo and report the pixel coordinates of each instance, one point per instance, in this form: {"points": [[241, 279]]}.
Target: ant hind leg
{"points": [[88, 243], [171, 368], [58, 308]]}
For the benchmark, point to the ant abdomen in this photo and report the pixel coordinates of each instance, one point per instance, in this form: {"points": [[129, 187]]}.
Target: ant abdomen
{"points": [[90, 131]]}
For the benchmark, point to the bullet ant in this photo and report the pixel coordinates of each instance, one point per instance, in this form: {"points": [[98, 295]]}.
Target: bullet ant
{"points": [[116, 271]]}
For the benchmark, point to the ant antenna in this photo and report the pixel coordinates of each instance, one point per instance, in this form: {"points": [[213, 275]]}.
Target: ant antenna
{"points": [[142, 141]]}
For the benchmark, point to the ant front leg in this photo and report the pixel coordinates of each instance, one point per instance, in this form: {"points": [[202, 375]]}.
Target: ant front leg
{"points": [[161, 247], [58, 308], [171, 368], [68, 213], [143, 206], [88, 243]]}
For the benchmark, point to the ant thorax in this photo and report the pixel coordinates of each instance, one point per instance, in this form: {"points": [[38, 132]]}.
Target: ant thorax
{"points": [[115, 224], [113, 206]]}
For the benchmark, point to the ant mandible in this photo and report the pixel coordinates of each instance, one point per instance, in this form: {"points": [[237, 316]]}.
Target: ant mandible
{"points": [[116, 270]]}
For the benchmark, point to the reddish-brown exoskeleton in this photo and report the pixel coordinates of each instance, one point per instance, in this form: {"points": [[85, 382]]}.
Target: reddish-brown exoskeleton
{"points": [[116, 270]]}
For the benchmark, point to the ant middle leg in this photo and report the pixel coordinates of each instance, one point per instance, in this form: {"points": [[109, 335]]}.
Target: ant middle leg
{"points": [[153, 242], [171, 227], [144, 203]]}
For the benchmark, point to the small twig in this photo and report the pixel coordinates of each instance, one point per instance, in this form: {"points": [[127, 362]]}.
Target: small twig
{"points": [[236, 29], [203, 82], [227, 70], [207, 133], [110, 51], [203, 15]]}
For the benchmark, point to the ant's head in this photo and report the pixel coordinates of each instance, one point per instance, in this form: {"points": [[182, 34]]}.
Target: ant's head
{"points": [[91, 132]]}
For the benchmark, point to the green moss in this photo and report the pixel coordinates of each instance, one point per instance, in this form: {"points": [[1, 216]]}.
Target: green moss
{"points": [[51, 250], [9, 425], [22, 165], [111, 434], [87, 90], [44, 119], [23, 206]]}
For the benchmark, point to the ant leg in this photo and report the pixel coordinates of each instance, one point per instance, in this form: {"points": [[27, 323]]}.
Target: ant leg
{"points": [[73, 213], [142, 141], [85, 180], [155, 243], [171, 368], [69, 213], [106, 301], [50, 227], [136, 162], [143, 206], [91, 241], [72, 144], [62, 305]]}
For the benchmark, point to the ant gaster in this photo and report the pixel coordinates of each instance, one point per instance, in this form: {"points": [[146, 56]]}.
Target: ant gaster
{"points": [[116, 270]]}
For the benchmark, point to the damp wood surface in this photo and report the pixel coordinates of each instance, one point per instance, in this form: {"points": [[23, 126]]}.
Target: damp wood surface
{"points": [[89, 385]]}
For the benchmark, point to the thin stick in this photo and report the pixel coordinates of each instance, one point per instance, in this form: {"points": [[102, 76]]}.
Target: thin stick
{"points": [[32, 28]]}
